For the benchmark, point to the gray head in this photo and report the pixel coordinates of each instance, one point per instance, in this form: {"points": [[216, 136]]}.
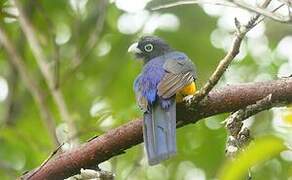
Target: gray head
{"points": [[149, 47]]}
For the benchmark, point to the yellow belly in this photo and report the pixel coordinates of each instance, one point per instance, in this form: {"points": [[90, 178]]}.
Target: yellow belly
{"points": [[187, 90]]}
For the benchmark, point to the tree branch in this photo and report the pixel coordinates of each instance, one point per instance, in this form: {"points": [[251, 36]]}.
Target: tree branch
{"points": [[92, 41], [263, 12], [231, 54], [235, 4], [221, 68], [114, 142], [30, 84], [42, 62], [94, 36], [11, 101], [186, 2], [52, 36], [239, 136]]}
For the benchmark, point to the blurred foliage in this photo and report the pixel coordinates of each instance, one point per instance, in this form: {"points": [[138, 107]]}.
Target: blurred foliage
{"points": [[261, 149], [99, 92]]}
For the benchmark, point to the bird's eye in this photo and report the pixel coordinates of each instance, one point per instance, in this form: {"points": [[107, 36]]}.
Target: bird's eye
{"points": [[148, 47]]}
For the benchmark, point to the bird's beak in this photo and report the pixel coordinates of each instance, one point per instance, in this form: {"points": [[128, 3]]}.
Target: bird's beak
{"points": [[134, 48]]}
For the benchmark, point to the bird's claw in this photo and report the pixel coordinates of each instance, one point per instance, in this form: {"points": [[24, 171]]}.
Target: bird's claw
{"points": [[188, 99]]}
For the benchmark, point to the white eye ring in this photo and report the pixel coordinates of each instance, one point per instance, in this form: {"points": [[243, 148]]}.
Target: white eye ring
{"points": [[148, 47]]}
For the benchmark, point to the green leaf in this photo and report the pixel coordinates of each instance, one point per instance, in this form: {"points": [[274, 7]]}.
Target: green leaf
{"points": [[260, 150]]}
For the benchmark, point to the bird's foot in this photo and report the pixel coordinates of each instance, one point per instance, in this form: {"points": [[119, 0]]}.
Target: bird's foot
{"points": [[188, 99]]}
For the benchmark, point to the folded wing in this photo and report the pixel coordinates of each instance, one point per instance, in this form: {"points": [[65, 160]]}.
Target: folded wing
{"points": [[179, 73]]}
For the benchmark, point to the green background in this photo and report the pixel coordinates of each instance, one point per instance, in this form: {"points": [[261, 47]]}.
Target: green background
{"points": [[106, 83]]}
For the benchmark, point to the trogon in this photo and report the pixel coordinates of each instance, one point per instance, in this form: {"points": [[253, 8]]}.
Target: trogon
{"points": [[166, 78]]}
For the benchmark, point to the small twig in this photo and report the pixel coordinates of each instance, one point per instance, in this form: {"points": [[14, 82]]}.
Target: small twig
{"points": [[242, 114], [263, 18], [52, 36], [288, 2], [231, 54], [95, 35], [45, 161], [186, 2], [263, 12], [222, 66], [92, 41], [239, 136], [235, 4]]}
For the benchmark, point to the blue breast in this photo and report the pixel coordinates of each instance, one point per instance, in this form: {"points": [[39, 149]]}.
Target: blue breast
{"points": [[146, 83]]}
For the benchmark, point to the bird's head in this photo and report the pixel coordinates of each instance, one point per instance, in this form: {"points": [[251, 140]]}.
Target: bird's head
{"points": [[149, 47]]}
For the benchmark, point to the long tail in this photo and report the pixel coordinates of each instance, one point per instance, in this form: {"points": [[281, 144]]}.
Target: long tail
{"points": [[159, 133]]}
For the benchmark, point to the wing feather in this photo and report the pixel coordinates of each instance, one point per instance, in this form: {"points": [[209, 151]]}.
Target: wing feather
{"points": [[179, 73]]}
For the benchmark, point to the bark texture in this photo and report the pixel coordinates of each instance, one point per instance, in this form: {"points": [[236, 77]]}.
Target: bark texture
{"points": [[115, 141]]}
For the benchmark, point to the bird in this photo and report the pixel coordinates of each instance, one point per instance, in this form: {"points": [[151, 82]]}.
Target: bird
{"points": [[167, 77]]}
